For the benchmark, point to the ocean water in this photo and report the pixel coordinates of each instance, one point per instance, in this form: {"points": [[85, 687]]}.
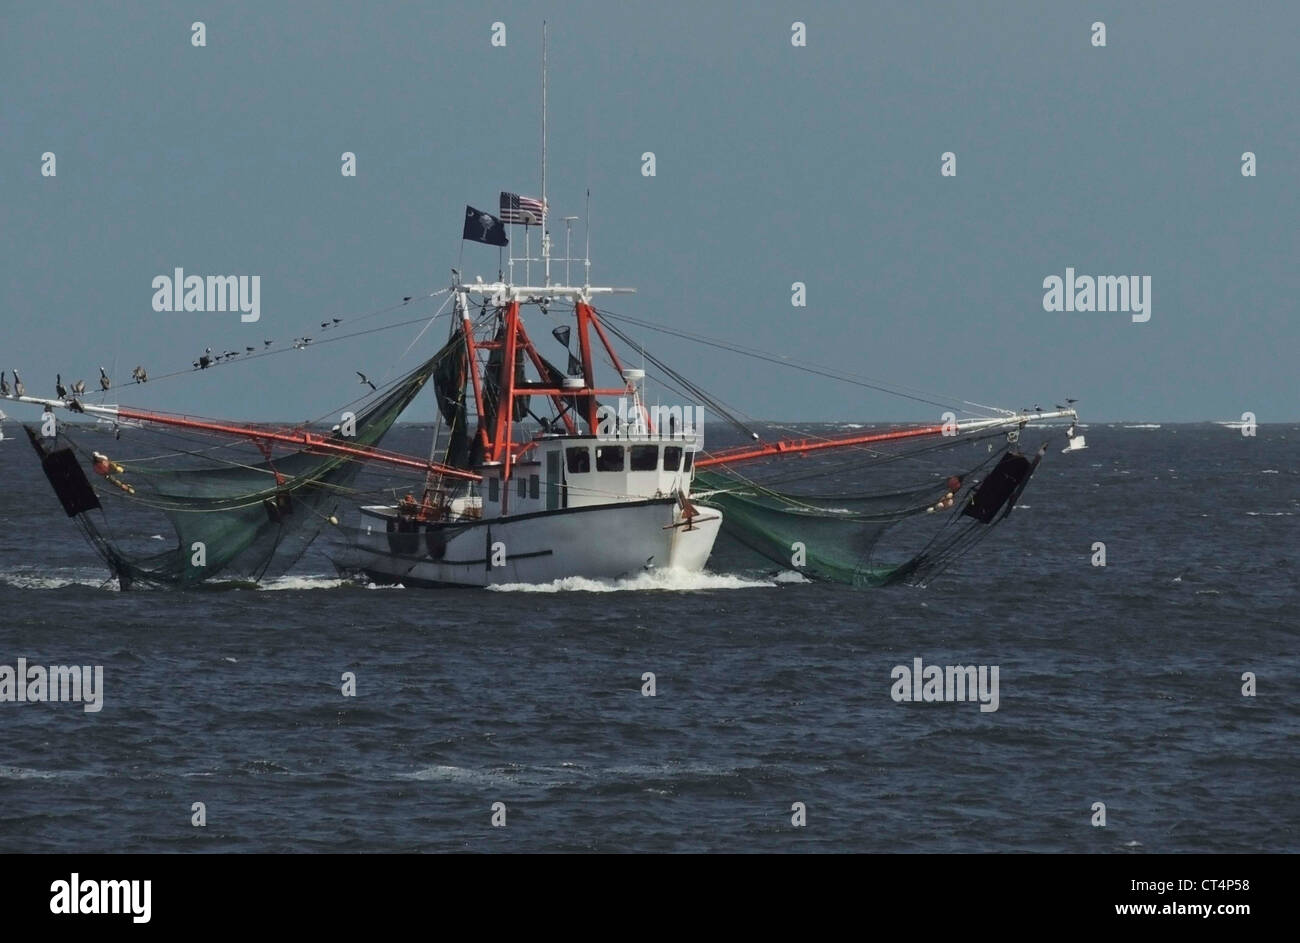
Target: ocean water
{"points": [[1119, 684]]}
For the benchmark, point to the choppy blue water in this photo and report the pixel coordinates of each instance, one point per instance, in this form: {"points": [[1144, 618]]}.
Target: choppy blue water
{"points": [[1119, 685]]}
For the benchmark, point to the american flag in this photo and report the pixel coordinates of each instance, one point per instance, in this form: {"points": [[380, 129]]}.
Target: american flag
{"points": [[521, 209]]}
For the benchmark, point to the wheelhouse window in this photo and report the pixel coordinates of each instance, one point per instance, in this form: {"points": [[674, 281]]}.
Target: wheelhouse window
{"points": [[672, 458], [690, 460], [534, 487], [645, 458], [609, 458], [579, 459], [522, 488], [494, 489]]}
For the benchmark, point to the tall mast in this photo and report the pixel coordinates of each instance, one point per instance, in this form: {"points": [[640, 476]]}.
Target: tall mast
{"points": [[546, 236]]}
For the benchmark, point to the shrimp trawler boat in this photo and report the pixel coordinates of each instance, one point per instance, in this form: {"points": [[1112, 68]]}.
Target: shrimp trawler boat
{"points": [[590, 493], [536, 472], [533, 474]]}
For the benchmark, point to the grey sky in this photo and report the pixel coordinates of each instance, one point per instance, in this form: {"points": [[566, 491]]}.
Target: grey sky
{"points": [[775, 164]]}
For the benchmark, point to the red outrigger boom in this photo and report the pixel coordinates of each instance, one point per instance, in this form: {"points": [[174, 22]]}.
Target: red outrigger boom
{"points": [[299, 438], [799, 446]]}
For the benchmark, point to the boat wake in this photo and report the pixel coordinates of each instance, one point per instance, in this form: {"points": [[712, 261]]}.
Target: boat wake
{"points": [[57, 579], [665, 579], [302, 582], [321, 581]]}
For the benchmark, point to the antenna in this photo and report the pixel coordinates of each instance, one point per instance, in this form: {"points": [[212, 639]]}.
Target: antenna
{"points": [[568, 254], [586, 260], [546, 236]]}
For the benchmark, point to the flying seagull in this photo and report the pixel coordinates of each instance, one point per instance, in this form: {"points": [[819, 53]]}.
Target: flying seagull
{"points": [[365, 379]]}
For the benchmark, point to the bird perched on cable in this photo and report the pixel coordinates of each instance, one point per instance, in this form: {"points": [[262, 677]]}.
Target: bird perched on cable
{"points": [[138, 375], [104, 381], [407, 298], [4, 384], [205, 360], [79, 388], [19, 389], [366, 380], [267, 343], [60, 390], [249, 350]]}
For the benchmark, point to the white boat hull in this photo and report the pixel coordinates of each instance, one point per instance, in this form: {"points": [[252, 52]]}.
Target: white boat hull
{"points": [[606, 541]]}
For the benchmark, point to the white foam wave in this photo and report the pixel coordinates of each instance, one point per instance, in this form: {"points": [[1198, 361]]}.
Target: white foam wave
{"points": [[22, 772], [58, 579], [665, 579], [791, 576], [302, 582], [442, 773], [567, 773]]}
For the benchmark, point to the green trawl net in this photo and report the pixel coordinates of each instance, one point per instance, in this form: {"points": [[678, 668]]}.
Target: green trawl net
{"points": [[834, 535], [238, 508], [839, 537]]}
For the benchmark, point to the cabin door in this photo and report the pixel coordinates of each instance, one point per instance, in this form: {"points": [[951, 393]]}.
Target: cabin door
{"points": [[553, 474]]}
